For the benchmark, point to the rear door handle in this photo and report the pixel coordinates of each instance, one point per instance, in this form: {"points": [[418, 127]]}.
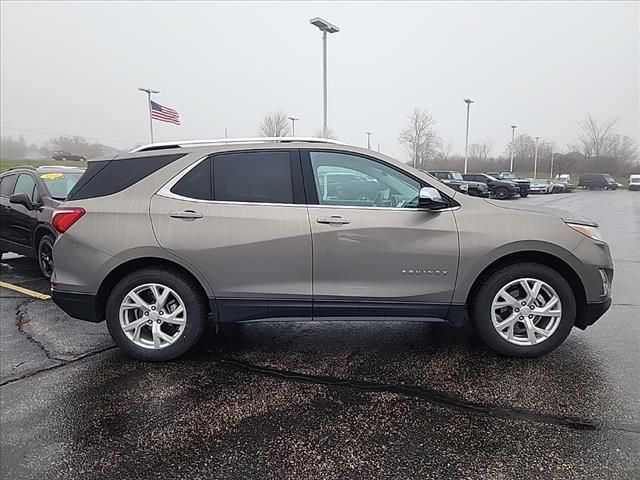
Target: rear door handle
{"points": [[333, 220], [186, 214]]}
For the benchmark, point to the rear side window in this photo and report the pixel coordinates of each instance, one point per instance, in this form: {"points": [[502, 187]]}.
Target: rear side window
{"points": [[197, 182], [107, 177], [263, 177], [6, 185]]}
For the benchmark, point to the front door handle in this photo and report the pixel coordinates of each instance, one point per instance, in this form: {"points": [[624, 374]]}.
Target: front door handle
{"points": [[333, 220], [186, 214]]}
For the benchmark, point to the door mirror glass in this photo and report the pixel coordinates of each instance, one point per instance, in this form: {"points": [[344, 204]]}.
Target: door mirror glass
{"points": [[21, 199], [430, 198]]}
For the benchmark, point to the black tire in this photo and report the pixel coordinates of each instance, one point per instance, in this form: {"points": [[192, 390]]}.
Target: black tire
{"points": [[502, 193], [45, 255], [481, 309], [524, 195], [196, 313]]}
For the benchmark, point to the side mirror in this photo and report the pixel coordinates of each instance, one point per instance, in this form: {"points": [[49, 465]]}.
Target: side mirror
{"points": [[22, 199], [430, 198]]}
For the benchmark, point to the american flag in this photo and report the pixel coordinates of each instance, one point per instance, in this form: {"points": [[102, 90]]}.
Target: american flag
{"points": [[164, 114]]}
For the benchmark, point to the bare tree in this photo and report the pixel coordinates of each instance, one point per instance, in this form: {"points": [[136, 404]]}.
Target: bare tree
{"points": [[419, 137], [443, 150], [326, 133], [480, 151], [274, 124], [594, 136]]}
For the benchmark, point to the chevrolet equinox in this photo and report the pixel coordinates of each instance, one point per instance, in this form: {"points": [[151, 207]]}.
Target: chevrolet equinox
{"points": [[160, 241]]}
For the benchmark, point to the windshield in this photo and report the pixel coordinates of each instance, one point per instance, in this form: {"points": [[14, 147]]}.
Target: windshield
{"points": [[60, 184], [609, 178], [508, 175], [490, 177], [456, 176]]}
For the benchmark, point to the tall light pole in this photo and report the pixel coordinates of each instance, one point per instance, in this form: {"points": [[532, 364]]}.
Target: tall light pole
{"points": [[513, 139], [293, 125], [552, 154], [368, 140], [468, 101], [325, 27], [535, 159], [149, 91]]}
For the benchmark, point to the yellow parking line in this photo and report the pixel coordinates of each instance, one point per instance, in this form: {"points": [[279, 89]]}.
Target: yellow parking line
{"points": [[26, 291]]}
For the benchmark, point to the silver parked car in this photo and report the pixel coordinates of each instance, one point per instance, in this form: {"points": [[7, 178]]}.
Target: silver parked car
{"points": [[162, 240]]}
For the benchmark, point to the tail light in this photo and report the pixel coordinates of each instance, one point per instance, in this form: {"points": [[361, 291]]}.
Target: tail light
{"points": [[62, 220]]}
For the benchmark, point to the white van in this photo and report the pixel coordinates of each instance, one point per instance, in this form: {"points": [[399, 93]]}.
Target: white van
{"points": [[634, 181]]}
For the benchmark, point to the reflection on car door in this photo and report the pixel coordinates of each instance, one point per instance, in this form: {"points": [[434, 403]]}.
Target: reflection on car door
{"points": [[247, 232], [380, 256]]}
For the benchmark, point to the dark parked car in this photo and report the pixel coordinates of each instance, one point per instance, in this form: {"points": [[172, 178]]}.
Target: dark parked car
{"points": [[457, 182], [600, 181], [522, 183], [501, 189], [67, 156], [28, 197]]}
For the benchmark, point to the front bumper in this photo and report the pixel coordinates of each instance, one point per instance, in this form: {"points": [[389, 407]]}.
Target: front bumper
{"points": [[77, 305], [592, 313]]}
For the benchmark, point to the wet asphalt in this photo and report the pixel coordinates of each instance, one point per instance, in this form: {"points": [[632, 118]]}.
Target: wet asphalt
{"points": [[327, 400]]}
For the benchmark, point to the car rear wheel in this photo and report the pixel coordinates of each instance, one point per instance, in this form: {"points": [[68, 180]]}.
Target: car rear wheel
{"points": [[524, 310], [45, 255], [502, 193], [524, 195], [156, 315]]}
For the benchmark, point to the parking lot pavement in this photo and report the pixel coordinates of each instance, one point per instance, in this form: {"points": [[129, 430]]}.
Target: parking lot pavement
{"points": [[332, 400]]}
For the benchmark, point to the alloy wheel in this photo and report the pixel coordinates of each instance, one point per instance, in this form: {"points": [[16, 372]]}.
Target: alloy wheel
{"points": [[526, 311], [46, 259], [153, 316]]}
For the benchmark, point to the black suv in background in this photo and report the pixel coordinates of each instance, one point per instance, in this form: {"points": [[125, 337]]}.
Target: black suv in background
{"points": [[501, 189], [600, 181], [455, 180], [67, 156], [28, 197], [522, 183]]}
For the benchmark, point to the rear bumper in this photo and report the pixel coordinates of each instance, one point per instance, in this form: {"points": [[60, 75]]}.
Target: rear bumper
{"points": [[77, 305]]}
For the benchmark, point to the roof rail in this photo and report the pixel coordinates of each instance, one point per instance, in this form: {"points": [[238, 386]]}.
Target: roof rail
{"points": [[17, 167], [231, 141]]}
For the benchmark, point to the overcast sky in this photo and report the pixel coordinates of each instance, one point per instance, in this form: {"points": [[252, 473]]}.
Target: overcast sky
{"points": [[74, 68]]}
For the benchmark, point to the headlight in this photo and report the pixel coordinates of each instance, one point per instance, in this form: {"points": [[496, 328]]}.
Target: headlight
{"points": [[587, 230], [464, 187]]}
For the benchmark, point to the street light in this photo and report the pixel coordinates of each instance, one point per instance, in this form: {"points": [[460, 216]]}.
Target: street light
{"points": [[293, 125], [468, 101], [513, 138], [368, 140], [535, 159], [325, 27], [149, 91]]}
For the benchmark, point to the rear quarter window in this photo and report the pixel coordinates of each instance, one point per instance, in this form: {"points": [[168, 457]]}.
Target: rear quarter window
{"points": [[106, 177], [6, 185]]}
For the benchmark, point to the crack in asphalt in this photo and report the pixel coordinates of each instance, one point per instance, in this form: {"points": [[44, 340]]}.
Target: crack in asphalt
{"points": [[435, 396], [22, 320]]}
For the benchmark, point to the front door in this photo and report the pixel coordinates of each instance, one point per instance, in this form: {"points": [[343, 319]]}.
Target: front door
{"points": [[240, 219], [375, 253]]}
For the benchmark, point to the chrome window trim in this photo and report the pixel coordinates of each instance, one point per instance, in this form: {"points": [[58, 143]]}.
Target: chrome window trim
{"points": [[165, 191]]}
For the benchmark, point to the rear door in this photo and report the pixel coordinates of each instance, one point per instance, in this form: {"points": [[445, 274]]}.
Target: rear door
{"points": [[379, 255], [240, 219]]}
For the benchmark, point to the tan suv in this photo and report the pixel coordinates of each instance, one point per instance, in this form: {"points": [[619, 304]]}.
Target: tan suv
{"points": [[159, 241]]}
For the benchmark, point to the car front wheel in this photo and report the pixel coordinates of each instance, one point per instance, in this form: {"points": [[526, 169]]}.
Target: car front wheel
{"points": [[524, 310], [156, 315], [45, 255], [502, 193]]}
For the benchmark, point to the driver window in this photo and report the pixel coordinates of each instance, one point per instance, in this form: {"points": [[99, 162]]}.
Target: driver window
{"points": [[350, 180]]}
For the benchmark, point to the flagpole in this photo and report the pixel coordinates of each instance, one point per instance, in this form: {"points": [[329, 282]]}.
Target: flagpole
{"points": [[149, 91]]}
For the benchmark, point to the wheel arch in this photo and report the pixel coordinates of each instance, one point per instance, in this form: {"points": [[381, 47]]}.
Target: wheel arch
{"points": [[532, 256], [123, 269], [40, 231]]}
